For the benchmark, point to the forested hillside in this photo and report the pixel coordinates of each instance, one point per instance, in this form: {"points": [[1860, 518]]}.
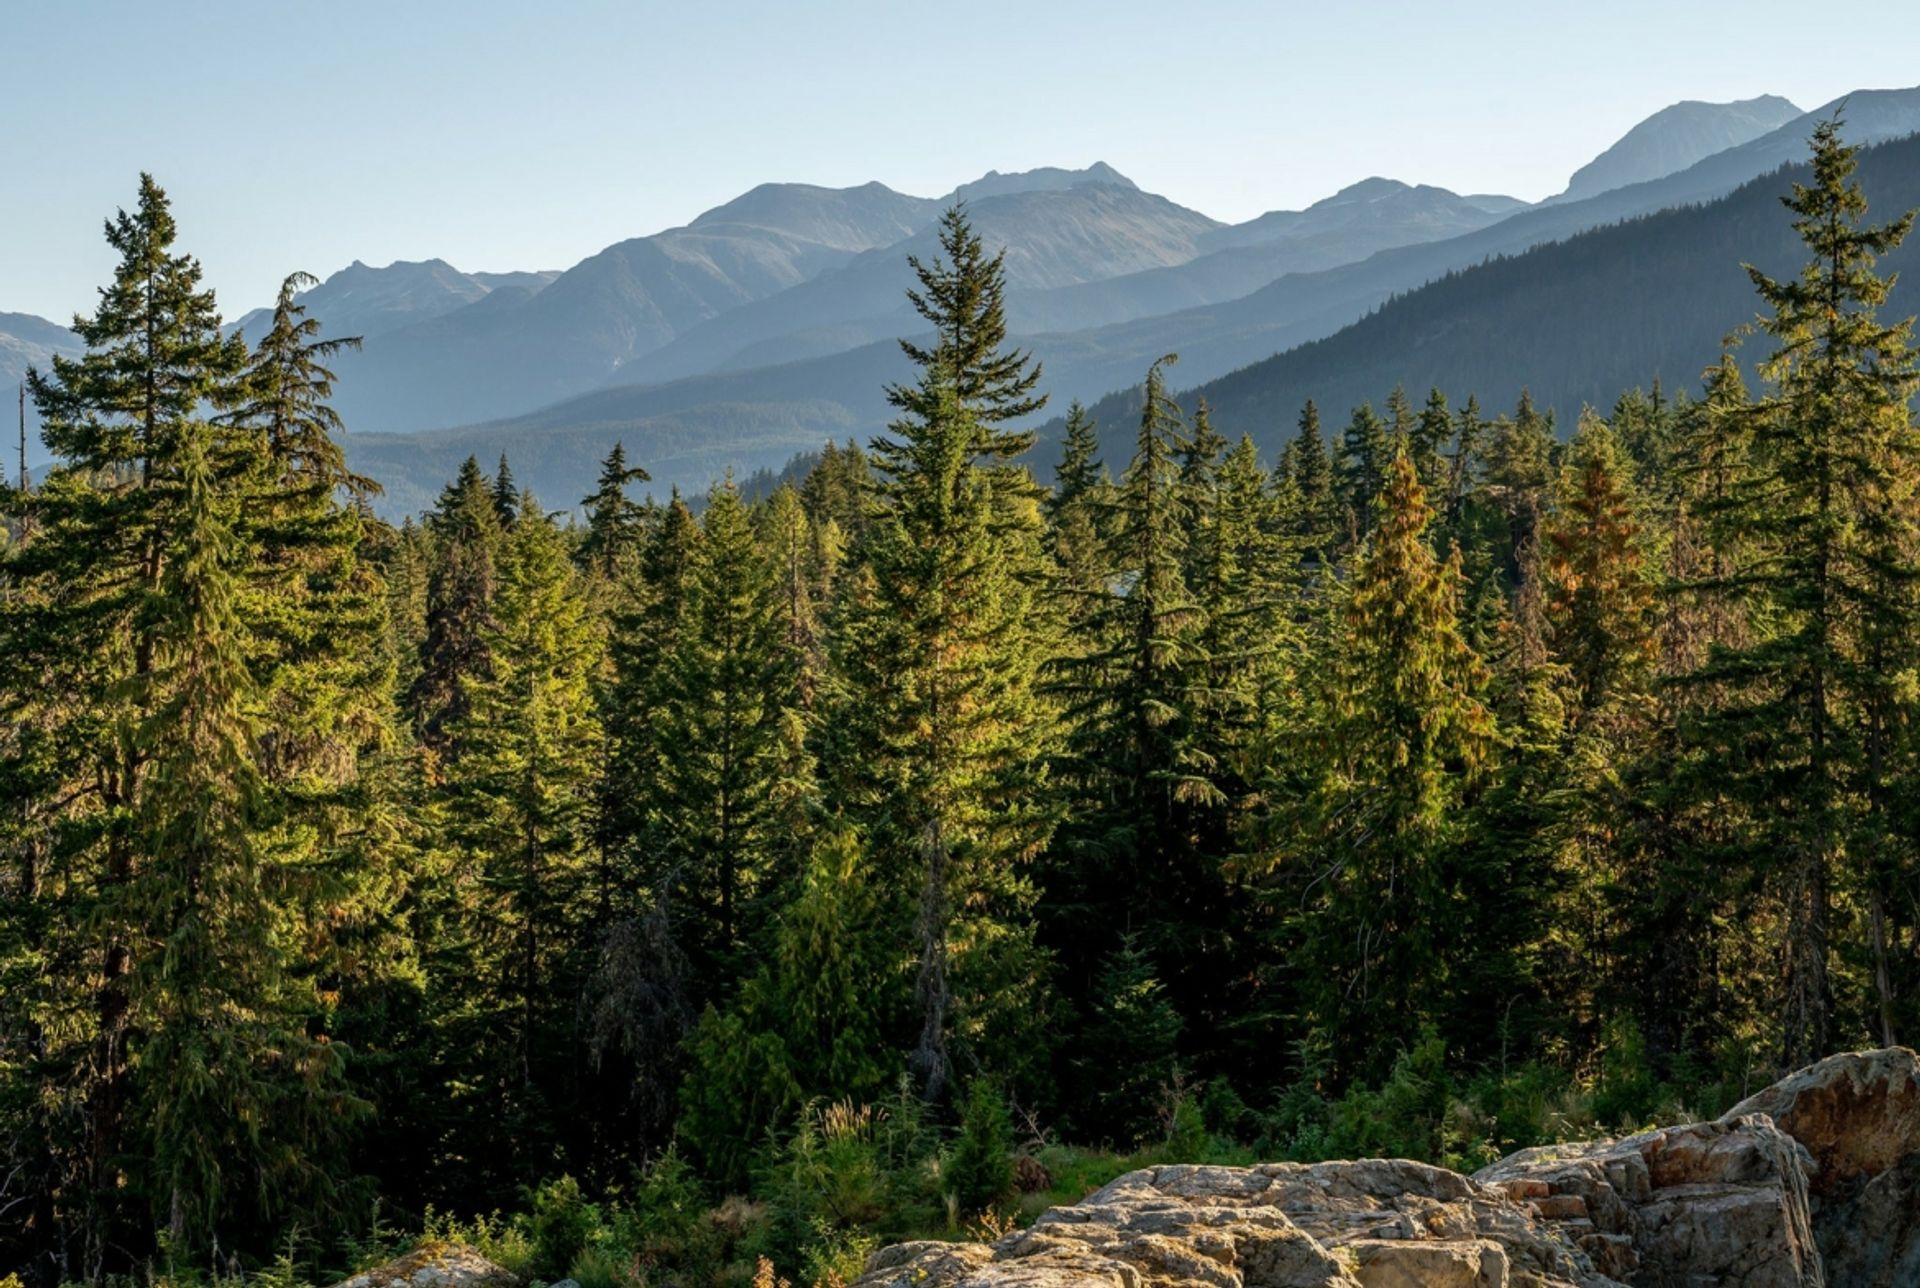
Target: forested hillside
{"points": [[717, 886], [1573, 322]]}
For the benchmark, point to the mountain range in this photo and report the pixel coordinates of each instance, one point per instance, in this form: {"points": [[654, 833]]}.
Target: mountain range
{"points": [[769, 323]]}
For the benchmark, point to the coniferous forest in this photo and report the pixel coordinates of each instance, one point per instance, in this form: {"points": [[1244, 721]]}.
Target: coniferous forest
{"points": [[639, 888]]}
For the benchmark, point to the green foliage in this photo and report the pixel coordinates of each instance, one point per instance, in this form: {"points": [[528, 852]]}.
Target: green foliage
{"points": [[790, 876], [1128, 1058], [978, 1171], [560, 1222]]}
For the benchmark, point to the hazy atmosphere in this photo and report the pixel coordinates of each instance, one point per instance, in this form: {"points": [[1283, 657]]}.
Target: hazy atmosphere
{"points": [[500, 136], [1014, 646]]}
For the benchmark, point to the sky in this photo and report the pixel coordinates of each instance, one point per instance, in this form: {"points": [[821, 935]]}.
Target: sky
{"points": [[503, 134]]}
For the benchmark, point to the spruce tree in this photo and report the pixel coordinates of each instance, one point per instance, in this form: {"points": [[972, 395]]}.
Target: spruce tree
{"points": [[1309, 471], [1135, 687], [1600, 594], [1825, 506], [466, 535], [615, 521], [520, 800], [937, 740], [725, 689], [1402, 732], [1365, 452], [172, 691], [242, 1110], [1074, 510]]}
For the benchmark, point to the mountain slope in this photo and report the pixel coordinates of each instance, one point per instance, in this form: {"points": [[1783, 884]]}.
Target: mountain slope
{"points": [[1053, 237], [1576, 322], [1677, 137], [502, 354], [365, 301], [26, 341], [1358, 221], [1292, 310]]}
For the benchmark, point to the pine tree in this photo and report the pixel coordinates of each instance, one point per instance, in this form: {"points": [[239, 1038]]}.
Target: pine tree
{"points": [[1403, 732], [615, 521], [521, 805], [938, 740], [725, 690], [1826, 505]]}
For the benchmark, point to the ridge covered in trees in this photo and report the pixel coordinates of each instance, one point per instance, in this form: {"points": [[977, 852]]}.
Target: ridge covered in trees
{"points": [[887, 841]]}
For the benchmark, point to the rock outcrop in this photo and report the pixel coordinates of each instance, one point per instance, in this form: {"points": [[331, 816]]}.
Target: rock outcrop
{"points": [[1721, 1203], [1858, 1116], [1813, 1182], [1373, 1224], [436, 1265]]}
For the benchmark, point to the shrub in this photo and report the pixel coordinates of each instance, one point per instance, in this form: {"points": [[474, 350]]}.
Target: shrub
{"points": [[561, 1224], [979, 1170]]}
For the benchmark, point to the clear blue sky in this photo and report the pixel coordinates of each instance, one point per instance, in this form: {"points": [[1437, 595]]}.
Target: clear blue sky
{"points": [[502, 135]]}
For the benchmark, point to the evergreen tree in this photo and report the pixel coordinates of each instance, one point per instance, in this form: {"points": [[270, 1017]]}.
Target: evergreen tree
{"points": [[1403, 732], [615, 521], [1309, 471], [506, 494], [1135, 686], [1826, 507], [812, 1024], [466, 532], [1431, 431], [1365, 452], [725, 689], [139, 701], [1600, 601], [521, 805], [1128, 1059], [937, 740], [1073, 512], [962, 294], [231, 1087]]}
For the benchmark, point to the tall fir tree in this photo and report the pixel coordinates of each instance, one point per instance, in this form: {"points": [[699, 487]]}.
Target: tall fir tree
{"points": [[616, 523], [940, 739], [726, 687], [520, 801], [1402, 732], [1825, 506]]}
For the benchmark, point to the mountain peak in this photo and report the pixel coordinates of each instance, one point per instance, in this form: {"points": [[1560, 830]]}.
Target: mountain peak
{"points": [[1676, 137], [1368, 189], [1044, 179]]}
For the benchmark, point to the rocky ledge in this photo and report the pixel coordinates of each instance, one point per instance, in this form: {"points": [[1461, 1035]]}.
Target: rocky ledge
{"points": [[1813, 1182]]}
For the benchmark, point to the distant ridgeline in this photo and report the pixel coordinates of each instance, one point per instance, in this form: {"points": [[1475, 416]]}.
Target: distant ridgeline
{"points": [[1573, 323]]}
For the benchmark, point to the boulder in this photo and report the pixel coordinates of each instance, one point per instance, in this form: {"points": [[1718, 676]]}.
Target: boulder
{"points": [[1721, 1203], [1858, 1117], [1813, 1182], [1370, 1224], [436, 1265]]}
